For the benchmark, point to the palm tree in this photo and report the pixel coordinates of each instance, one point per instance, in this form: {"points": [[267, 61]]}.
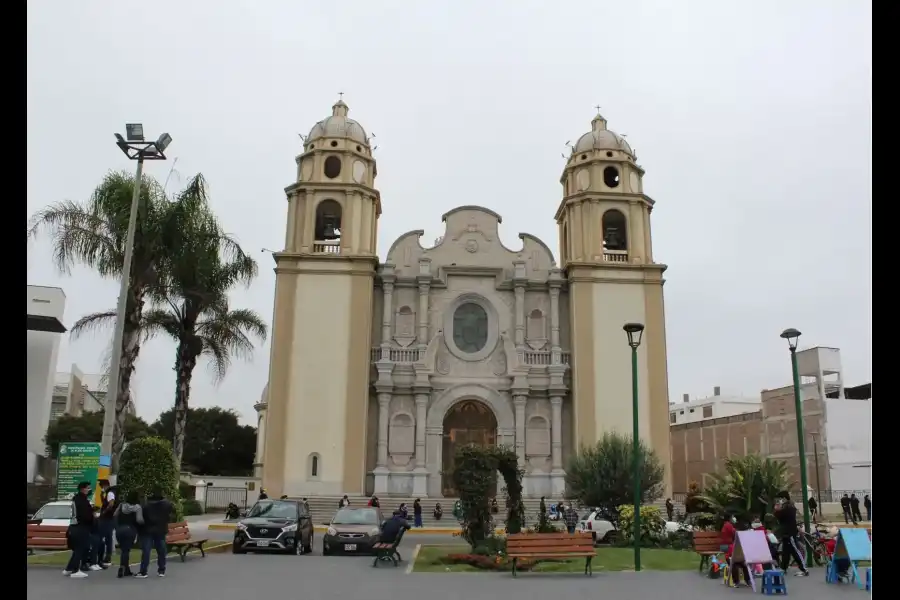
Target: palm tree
{"points": [[191, 298], [93, 234]]}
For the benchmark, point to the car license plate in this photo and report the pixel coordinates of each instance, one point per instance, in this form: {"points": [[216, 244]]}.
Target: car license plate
{"points": [[349, 547], [262, 544]]}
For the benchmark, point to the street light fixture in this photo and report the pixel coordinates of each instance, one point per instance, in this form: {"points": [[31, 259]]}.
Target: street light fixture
{"points": [[135, 148], [635, 332], [793, 336]]}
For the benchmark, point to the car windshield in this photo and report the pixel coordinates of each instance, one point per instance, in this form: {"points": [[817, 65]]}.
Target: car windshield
{"points": [[54, 511], [276, 510], [355, 516]]}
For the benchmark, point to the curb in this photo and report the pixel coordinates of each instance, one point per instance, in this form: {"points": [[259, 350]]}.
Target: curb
{"points": [[322, 529], [214, 549]]}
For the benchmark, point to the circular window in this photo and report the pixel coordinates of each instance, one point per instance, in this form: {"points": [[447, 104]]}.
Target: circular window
{"points": [[470, 328], [332, 167], [334, 144], [584, 157], [609, 153], [311, 146], [359, 148], [610, 177]]}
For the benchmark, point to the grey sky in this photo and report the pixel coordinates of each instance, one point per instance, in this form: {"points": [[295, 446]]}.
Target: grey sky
{"points": [[753, 123]]}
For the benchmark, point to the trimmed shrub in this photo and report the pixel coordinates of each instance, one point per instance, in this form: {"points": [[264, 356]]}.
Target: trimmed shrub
{"points": [[148, 463], [190, 507]]}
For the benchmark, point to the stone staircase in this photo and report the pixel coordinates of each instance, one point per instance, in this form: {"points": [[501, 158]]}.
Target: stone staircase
{"points": [[322, 508]]}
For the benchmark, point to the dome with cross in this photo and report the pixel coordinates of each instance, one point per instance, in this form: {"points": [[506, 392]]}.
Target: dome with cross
{"points": [[601, 138], [338, 125]]}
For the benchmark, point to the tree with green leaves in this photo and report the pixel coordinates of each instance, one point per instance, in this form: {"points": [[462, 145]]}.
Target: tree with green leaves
{"points": [[93, 234], [88, 427], [747, 488], [215, 443], [602, 475], [191, 299], [147, 465]]}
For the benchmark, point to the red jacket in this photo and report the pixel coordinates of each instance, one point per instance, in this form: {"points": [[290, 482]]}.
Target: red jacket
{"points": [[727, 533]]}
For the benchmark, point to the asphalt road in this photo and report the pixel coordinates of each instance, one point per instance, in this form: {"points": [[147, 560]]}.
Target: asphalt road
{"points": [[230, 577]]}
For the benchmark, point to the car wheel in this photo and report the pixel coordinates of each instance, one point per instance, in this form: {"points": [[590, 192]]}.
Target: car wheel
{"points": [[297, 548], [325, 551], [307, 549], [236, 548]]}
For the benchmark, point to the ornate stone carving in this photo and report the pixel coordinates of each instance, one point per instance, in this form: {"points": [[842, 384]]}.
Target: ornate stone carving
{"points": [[402, 438], [405, 326], [537, 442], [498, 361], [472, 227], [443, 363], [472, 246]]}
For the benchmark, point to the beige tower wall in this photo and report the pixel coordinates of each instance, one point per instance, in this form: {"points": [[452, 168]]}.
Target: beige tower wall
{"points": [[318, 387], [602, 301]]}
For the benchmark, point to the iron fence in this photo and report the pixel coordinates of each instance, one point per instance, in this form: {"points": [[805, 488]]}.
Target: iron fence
{"points": [[821, 496], [221, 497]]}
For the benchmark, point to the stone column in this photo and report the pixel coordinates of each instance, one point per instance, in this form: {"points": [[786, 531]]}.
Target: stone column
{"points": [[519, 281], [556, 432], [420, 473], [519, 401], [384, 403], [555, 284], [387, 310], [424, 281]]}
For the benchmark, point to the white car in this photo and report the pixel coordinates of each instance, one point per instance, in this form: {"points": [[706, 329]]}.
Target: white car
{"points": [[600, 529], [60, 512]]}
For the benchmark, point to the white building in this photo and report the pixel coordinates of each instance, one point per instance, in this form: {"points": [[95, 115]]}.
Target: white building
{"points": [[76, 393], [712, 407], [44, 309]]}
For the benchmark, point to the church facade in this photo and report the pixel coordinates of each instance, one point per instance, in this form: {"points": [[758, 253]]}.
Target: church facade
{"points": [[380, 370]]}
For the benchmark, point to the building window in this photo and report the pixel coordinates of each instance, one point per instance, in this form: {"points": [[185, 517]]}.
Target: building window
{"points": [[470, 327], [672, 417], [315, 466], [614, 234], [707, 412]]}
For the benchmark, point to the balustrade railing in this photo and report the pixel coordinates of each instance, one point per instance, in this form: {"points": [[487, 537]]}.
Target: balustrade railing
{"points": [[410, 355], [325, 247], [616, 256]]}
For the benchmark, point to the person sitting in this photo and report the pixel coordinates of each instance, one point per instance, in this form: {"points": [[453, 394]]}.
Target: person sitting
{"points": [[438, 511], [737, 568], [391, 528]]}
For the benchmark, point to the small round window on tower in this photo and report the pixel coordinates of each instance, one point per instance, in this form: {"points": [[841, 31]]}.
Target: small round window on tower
{"points": [[584, 157], [359, 148], [610, 177], [332, 167], [609, 154], [311, 146]]}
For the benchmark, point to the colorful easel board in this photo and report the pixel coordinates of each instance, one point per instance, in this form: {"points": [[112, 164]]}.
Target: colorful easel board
{"points": [[752, 548], [853, 544]]}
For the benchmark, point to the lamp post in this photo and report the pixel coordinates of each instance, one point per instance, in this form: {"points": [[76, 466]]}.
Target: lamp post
{"points": [[135, 148], [635, 331], [815, 438], [792, 336]]}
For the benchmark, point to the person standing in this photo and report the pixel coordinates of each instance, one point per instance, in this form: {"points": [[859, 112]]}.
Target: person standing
{"points": [[845, 506], [417, 512], [156, 525], [813, 508], [129, 518], [670, 509], [854, 509], [345, 501], [103, 542], [867, 502], [786, 513], [80, 532], [571, 518], [543, 506], [263, 495]]}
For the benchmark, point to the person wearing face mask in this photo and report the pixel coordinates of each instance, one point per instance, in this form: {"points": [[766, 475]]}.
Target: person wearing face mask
{"points": [[726, 538]]}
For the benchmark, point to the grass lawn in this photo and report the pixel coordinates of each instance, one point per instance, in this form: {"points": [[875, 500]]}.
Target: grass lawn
{"points": [[608, 559]]}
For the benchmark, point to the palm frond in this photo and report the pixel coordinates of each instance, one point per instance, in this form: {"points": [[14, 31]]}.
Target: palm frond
{"points": [[93, 323]]}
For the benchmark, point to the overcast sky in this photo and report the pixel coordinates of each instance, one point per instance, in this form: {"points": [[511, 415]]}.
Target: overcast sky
{"points": [[753, 123]]}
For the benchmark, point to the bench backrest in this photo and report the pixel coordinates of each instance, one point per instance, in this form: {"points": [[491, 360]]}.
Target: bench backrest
{"points": [[707, 541], [178, 532], [46, 536], [549, 543]]}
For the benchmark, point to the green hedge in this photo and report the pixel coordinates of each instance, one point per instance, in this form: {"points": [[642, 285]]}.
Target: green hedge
{"points": [[148, 463], [191, 507]]}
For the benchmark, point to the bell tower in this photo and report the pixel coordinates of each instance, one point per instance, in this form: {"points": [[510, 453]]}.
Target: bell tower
{"points": [[319, 365], [606, 251]]}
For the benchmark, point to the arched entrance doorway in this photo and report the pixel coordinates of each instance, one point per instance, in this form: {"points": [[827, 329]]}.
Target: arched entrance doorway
{"points": [[467, 422]]}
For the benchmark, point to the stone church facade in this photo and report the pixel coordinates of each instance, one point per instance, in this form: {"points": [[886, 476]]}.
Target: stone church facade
{"points": [[380, 370]]}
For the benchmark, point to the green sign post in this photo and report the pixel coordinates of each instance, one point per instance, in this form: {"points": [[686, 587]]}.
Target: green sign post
{"points": [[77, 462]]}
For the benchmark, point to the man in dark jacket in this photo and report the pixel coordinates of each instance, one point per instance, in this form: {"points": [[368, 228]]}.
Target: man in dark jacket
{"points": [[854, 509], [867, 502], [788, 531], [79, 534], [845, 506], [391, 528], [156, 525], [103, 540]]}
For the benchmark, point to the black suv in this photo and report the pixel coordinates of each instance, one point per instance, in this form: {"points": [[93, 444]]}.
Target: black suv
{"points": [[280, 525]]}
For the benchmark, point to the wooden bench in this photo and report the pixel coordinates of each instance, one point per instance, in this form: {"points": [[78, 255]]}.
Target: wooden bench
{"points": [[388, 550], [46, 537], [707, 544], [180, 540], [551, 545]]}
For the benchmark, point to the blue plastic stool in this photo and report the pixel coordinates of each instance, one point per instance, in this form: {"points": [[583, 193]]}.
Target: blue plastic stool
{"points": [[774, 582], [869, 579]]}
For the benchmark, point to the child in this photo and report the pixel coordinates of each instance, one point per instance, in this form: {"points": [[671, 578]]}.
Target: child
{"points": [[737, 568], [841, 565]]}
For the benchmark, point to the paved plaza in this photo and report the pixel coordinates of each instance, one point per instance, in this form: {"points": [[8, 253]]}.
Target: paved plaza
{"points": [[314, 577]]}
